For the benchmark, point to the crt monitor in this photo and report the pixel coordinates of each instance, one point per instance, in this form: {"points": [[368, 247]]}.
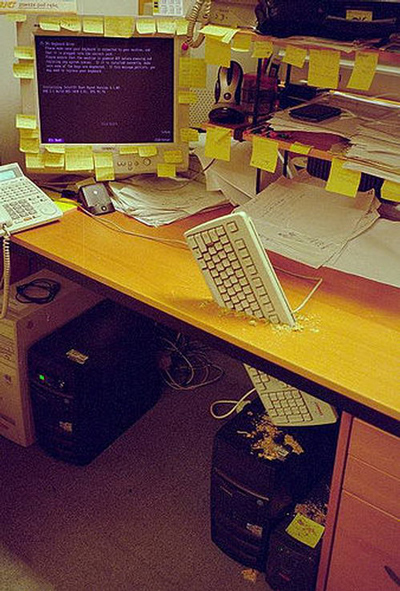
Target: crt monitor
{"points": [[105, 94]]}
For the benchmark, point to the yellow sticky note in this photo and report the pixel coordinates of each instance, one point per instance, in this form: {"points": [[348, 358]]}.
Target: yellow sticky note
{"points": [[128, 150], [55, 148], [342, 180], [24, 52], [50, 23], [187, 97], [188, 134], [217, 53], [300, 148], [146, 26], [305, 530], [93, 24], [359, 15], [166, 26], [192, 72], [28, 133], [215, 30], [118, 26], [29, 145], [390, 191], [295, 56], [71, 23], [16, 17], [181, 26], [147, 151], [364, 70], [65, 205], [262, 49], [323, 69], [229, 35], [264, 154], [54, 160], [173, 156], [218, 143], [23, 121], [241, 42], [24, 70], [33, 161], [104, 166], [166, 170], [78, 158]]}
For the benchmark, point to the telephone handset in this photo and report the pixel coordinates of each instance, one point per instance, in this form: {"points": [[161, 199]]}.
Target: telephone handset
{"points": [[227, 13], [22, 205]]}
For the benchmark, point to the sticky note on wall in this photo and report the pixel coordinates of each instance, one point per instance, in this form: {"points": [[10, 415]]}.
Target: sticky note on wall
{"points": [[218, 143], [363, 71], [323, 70], [343, 180], [264, 154]]}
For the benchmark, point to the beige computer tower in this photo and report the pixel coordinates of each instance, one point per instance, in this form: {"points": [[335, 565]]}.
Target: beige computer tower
{"points": [[25, 324]]}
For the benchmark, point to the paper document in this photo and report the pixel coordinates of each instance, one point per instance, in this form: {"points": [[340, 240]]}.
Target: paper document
{"points": [[157, 201], [297, 218]]}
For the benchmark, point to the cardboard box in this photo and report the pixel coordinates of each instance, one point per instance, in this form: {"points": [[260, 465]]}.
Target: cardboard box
{"points": [[25, 324]]}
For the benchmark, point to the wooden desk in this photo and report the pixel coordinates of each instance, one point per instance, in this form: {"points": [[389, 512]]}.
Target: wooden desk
{"points": [[347, 350]]}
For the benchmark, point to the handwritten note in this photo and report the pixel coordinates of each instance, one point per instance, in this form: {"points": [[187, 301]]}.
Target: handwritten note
{"points": [[93, 24], [166, 26], [147, 151], [29, 145], [188, 134], [364, 70], [218, 143], [342, 180], [300, 148], [24, 70], [24, 52], [173, 156], [305, 530], [104, 166], [323, 70], [181, 26], [262, 49], [78, 158], [34, 161], [166, 170], [241, 42], [54, 160], [192, 72], [146, 26], [295, 56], [391, 191], [71, 23], [128, 149], [49, 23], [23, 121], [118, 26], [188, 97], [217, 53], [264, 154]]}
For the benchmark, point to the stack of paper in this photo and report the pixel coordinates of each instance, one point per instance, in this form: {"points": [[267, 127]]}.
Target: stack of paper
{"points": [[158, 201], [375, 148], [297, 218]]}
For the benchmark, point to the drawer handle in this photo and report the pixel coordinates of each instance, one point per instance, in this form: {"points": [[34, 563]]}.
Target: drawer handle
{"points": [[392, 575]]}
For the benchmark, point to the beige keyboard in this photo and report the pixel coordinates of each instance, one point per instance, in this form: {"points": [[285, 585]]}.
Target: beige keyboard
{"points": [[288, 406], [237, 269]]}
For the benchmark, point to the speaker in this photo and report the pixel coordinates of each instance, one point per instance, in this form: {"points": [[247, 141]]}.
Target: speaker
{"points": [[228, 89], [95, 199]]}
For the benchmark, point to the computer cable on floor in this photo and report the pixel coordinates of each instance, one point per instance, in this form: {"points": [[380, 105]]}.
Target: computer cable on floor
{"points": [[235, 405], [5, 280]]}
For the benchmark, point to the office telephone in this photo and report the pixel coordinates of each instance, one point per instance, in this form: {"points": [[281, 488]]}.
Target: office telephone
{"points": [[22, 205], [226, 13]]}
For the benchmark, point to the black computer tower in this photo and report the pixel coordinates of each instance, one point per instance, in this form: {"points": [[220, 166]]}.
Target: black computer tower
{"points": [[92, 379], [251, 494], [292, 563]]}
